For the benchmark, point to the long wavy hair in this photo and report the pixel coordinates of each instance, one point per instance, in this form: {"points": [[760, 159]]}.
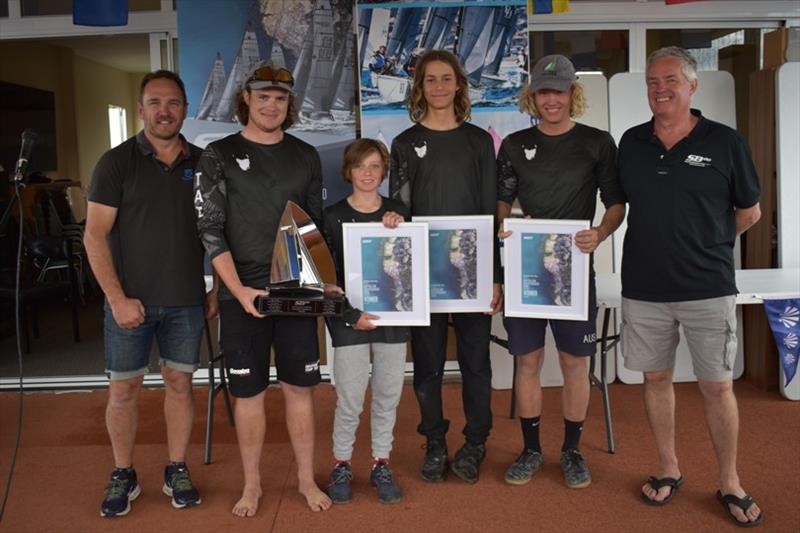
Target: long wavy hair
{"points": [[577, 107], [418, 107], [243, 110]]}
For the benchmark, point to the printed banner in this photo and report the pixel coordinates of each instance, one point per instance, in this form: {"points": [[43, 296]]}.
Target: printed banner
{"points": [[222, 41], [784, 319], [490, 39]]}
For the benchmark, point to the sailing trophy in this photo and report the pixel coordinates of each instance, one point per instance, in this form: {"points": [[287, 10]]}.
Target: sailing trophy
{"points": [[296, 286]]}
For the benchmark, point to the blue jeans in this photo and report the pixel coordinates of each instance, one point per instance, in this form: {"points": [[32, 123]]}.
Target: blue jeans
{"points": [[178, 331]]}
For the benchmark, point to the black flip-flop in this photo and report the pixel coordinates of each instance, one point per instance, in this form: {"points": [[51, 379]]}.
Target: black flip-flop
{"points": [[742, 503], [656, 484]]}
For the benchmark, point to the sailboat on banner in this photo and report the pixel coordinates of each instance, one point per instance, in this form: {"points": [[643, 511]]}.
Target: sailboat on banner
{"points": [[499, 44], [343, 104], [245, 60], [314, 66], [403, 39], [212, 94], [474, 32], [472, 25]]}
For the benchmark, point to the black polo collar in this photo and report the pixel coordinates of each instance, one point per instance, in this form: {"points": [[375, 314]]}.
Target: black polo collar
{"points": [[146, 147], [699, 130]]}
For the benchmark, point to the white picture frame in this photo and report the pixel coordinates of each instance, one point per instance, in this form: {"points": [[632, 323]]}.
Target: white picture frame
{"points": [[460, 282], [546, 275], [378, 282]]}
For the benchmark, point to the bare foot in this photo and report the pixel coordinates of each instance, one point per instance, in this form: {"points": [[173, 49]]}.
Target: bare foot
{"points": [[248, 503], [316, 499]]}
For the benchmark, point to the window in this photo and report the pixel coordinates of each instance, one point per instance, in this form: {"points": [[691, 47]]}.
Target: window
{"points": [[604, 51], [735, 50], [117, 125]]}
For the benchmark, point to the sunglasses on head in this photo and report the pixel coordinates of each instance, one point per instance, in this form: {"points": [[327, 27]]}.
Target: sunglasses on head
{"points": [[275, 75]]}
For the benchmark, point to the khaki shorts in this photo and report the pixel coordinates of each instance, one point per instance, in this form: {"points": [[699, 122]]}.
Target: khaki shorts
{"points": [[650, 335]]}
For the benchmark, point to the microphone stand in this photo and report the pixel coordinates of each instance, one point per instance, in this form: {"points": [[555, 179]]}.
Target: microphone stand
{"points": [[19, 185]]}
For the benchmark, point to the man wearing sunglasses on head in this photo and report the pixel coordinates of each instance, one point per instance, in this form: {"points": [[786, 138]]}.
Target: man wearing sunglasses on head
{"points": [[243, 184]]}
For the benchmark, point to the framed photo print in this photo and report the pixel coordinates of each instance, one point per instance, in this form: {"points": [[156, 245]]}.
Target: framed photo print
{"points": [[546, 275], [461, 255], [386, 271]]}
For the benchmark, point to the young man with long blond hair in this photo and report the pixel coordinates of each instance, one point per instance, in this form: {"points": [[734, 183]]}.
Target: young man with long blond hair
{"points": [[555, 170]]}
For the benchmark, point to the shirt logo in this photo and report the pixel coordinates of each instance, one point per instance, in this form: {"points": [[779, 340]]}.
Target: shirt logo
{"points": [[312, 367], [697, 160], [239, 371], [188, 174], [244, 164], [530, 153], [198, 195], [421, 150]]}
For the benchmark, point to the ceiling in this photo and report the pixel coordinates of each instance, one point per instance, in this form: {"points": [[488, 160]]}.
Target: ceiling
{"points": [[130, 53]]}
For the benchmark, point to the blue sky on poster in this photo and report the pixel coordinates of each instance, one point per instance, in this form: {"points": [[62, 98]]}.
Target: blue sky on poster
{"points": [[205, 28]]}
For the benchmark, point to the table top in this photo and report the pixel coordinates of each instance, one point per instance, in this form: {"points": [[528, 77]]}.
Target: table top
{"points": [[755, 285]]}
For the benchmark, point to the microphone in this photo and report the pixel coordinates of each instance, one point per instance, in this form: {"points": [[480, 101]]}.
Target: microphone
{"points": [[29, 138]]}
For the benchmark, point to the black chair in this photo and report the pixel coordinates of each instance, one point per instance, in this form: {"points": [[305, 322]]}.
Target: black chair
{"points": [[35, 293], [214, 388], [53, 264]]}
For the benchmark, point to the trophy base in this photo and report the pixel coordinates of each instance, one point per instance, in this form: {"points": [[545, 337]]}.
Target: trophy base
{"points": [[300, 305]]}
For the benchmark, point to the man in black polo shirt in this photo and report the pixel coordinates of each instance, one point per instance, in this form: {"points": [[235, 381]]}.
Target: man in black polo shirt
{"points": [[692, 188], [144, 251], [243, 183]]}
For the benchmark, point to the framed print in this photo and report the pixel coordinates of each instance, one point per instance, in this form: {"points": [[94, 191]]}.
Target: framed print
{"points": [[386, 271], [546, 275], [461, 256]]}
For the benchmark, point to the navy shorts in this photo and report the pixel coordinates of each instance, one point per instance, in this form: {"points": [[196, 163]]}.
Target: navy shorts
{"points": [[177, 330], [246, 342], [576, 337]]}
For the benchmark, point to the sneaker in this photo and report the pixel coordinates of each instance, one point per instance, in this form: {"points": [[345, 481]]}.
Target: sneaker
{"points": [[524, 467], [178, 485], [339, 488], [434, 469], [120, 492], [468, 460], [381, 478], [576, 473]]}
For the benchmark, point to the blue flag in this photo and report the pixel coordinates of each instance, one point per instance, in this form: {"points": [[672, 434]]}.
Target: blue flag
{"points": [[100, 12], [784, 319]]}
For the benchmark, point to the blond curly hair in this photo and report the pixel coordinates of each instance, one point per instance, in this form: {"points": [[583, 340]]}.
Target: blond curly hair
{"points": [[527, 102]]}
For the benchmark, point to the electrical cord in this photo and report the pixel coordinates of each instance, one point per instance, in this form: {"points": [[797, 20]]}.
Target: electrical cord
{"points": [[17, 315]]}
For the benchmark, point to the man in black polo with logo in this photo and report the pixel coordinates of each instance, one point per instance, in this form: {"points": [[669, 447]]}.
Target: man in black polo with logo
{"points": [[692, 188], [145, 253]]}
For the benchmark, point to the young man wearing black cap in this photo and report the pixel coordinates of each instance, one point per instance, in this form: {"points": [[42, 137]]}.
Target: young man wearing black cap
{"points": [[555, 169], [243, 184]]}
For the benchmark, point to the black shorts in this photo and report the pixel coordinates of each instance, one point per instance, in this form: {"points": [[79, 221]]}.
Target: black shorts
{"points": [[576, 337], [246, 341]]}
